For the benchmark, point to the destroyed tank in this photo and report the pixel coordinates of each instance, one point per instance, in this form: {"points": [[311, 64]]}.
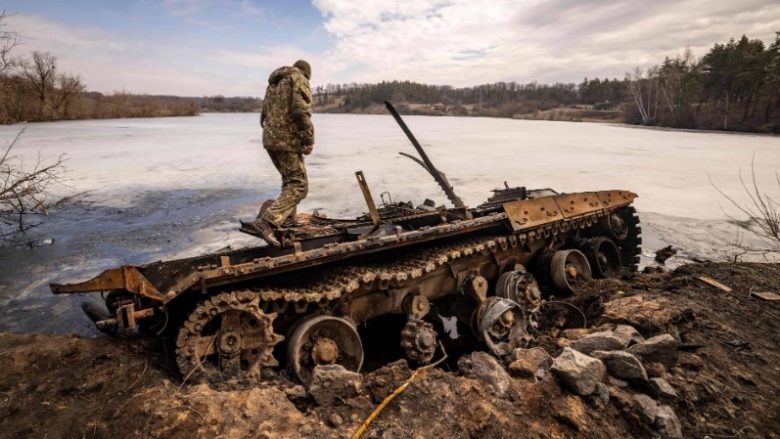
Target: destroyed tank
{"points": [[237, 314]]}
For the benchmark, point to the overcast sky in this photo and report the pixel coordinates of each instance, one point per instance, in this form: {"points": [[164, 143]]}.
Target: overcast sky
{"points": [[228, 47]]}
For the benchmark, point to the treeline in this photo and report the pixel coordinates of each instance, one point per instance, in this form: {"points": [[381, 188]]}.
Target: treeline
{"points": [[222, 104], [502, 99], [34, 90], [735, 86]]}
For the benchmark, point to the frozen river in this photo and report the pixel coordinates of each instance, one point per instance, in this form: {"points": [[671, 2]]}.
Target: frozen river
{"points": [[148, 189]]}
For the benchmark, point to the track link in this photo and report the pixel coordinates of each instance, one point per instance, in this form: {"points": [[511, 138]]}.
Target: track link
{"points": [[631, 247], [385, 274]]}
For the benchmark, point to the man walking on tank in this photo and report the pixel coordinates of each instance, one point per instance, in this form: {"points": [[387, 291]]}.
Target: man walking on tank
{"points": [[288, 135]]}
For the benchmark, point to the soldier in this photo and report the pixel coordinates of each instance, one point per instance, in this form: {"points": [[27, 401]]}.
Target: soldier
{"points": [[288, 135]]}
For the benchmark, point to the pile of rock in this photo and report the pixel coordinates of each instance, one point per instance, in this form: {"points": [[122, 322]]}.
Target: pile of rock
{"points": [[612, 362], [619, 362]]}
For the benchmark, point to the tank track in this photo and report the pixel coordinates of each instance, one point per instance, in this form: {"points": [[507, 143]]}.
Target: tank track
{"points": [[335, 283], [341, 281], [257, 355], [631, 247]]}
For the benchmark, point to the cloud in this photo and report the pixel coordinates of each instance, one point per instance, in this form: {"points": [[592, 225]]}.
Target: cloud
{"points": [[107, 62], [249, 8], [456, 42], [184, 8], [462, 42]]}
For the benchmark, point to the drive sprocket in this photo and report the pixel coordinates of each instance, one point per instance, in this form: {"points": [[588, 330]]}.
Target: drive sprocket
{"points": [[418, 340], [227, 337]]}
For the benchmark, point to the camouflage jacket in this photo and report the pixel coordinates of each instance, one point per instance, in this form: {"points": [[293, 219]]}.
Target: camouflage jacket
{"points": [[286, 116]]}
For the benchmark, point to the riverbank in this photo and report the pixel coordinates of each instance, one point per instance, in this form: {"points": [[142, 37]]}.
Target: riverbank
{"points": [[567, 114], [721, 376]]}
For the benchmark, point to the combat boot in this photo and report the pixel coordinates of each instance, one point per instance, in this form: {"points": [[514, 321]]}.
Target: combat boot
{"points": [[266, 231]]}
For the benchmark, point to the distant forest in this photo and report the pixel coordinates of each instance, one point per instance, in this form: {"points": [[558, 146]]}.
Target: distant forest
{"points": [[735, 86], [502, 99]]}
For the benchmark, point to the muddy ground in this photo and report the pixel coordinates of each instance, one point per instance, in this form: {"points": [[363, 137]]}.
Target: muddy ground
{"points": [[727, 379]]}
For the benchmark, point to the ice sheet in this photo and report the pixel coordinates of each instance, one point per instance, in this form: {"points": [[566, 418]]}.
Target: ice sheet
{"points": [[162, 188]]}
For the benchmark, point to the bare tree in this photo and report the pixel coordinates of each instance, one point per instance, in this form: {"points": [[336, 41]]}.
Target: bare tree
{"points": [[8, 40], [635, 80], [41, 75], [68, 88], [761, 214], [24, 197]]}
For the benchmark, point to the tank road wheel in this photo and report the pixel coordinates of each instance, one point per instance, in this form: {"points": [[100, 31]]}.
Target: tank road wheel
{"points": [[616, 226], [501, 325], [604, 257], [418, 340], [521, 287], [227, 337], [568, 268], [322, 340]]}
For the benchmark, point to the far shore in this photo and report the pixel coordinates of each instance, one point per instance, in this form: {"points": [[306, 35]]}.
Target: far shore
{"points": [[560, 114]]}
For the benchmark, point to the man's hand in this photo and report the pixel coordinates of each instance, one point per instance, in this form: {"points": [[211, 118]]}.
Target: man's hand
{"points": [[307, 149]]}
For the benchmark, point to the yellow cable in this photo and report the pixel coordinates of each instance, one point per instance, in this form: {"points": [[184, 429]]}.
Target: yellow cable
{"points": [[359, 432]]}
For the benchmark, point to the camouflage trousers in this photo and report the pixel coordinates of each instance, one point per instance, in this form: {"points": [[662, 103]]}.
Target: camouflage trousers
{"points": [[295, 186]]}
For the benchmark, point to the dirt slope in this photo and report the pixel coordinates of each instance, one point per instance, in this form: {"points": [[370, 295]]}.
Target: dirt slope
{"points": [[727, 379]]}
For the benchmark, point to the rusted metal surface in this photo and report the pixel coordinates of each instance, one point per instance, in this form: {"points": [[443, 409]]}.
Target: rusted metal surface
{"points": [[571, 205], [369, 199], [323, 340], [615, 198], [527, 214], [126, 278], [426, 163], [521, 215]]}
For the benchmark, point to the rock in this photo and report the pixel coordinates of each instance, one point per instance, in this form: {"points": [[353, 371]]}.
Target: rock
{"points": [[486, 368], [661, 348], [295, 392], [578, 371], [616, 382], [603, 392], [647, 408], [661, 255], [649, 316], [662, 389], [690, 361], [623, 399], [667, 423], [526, 362], [334, 420], [622, 365], [333, 382], [570, 410], [655, 370], [574, 333], [600, 341], [630, 333]]}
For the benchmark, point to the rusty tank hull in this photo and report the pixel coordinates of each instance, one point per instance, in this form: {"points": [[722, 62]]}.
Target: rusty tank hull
{"points": [[235, 314]]}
